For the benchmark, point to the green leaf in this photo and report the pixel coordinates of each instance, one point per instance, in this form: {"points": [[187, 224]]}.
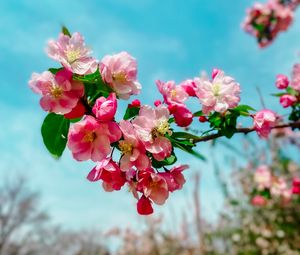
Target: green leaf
{"points": [[66, 31], [166, 162], [184, 135], [55, 130], [131, 112], [55, 70], [188, 149], [198, 114], [278, 94], [291, 91]]}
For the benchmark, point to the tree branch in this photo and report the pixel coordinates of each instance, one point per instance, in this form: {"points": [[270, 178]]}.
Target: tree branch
{"points": [[245, 131]]}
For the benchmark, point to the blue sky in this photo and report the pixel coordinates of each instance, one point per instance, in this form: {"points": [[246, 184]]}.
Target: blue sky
{"points": [[171, 40]]}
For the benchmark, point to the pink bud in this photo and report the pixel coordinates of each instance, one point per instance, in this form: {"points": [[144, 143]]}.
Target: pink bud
{"points": [[264, 120], [183, 116], [157, 103], [135, 103], [144, 206], [282, 81], [214, 73], [287, 100], [202, 119], [105, 108], [258, 201]]}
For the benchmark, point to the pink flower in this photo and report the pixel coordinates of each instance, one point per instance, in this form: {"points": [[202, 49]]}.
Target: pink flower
{"points": [[109, 172], [264, 120], [296, 186], [263, 177], [60, 94], [72, 53], [287, 100], [172, 93], [135, 104], [189, 87], [90, 139], [258, 201], [183, 116], [144, 206], [151, 126], [174, 177], [279, 187], [282, 81], [153, 186], [120, 72], [133, 150], [105, 108], [295, 84], [157, 103], [77, 112], [219, 95]]}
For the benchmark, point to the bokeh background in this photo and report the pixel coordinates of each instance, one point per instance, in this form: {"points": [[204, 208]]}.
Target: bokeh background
{"points": [[171, 40]]}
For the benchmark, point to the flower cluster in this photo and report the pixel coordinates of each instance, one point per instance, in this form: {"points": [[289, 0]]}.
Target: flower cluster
{"points": [[266, 21], [268, 186], [82, 96]]}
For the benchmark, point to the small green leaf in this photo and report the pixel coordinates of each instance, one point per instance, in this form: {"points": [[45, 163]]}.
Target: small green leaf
{"points": [[198, 114], [166, 162], [55, 70], [184, 135], [66, 31], [131, 112], [55, 130]]}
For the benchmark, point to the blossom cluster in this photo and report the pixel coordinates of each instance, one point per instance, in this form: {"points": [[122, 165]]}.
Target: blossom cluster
{"points": [[269, 186], [266, 21], [82, 97]]}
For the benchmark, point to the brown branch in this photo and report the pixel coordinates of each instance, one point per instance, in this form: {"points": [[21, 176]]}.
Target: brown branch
{"points": [[245, 131]]}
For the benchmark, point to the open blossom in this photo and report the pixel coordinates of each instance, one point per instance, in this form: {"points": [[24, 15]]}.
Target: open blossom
{"points": [[172, 93], [109, 172], [72, 53], [287, 100], [263, 177], [60, 94], [105, 108], [151, 126], [264, 120], [295, 84], [220, 94], [120, 72], [153, 186], [132, 149], [282, 81], [90, 139], [174, 177]]}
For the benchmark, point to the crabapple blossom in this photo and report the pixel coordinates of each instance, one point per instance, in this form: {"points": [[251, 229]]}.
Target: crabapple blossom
{"points": [[282, 81], [263, 177], [220, 94], [264, 120], [151, 126], [172, 93], [295, 84], [120, 72], [109, 172], [174, 177], [60, 94], [153, 186], [183, 116], [258, 200], [287, 100], [72, 53], [132, 149], [77, 112], [90, 139], [105, 108]]}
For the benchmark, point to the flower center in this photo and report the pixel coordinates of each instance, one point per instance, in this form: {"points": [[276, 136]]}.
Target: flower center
{"points": [[119, 77], [173, 93], [162, 129], [125, 147], [56, 92], [89, 137], [72, 55], [216, 89]]}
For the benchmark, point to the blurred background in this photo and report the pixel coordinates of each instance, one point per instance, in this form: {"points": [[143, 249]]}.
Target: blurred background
{"points": [[171, 41]]}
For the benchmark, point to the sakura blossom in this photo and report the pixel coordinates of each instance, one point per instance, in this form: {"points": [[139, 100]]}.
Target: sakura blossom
{"points": [[72, 53], [151, 126], [264, 120], [105, 108], [120, 72], [220, 94], [60, 94], [90, 139]]}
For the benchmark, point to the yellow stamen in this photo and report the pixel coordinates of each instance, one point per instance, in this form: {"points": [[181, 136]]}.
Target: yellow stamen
{"points": [[89, 137], [56, 92], [173, 93], [216, 89], [162, 129], [119, 77], [72, 55], [125, 147]]}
